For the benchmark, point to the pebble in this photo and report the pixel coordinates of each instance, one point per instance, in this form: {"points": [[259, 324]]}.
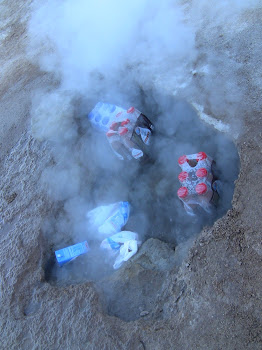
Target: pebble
{"points": [[144, 313]]}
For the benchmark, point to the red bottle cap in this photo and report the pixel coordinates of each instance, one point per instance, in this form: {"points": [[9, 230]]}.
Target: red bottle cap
{"points": [[202, 172], [118, 114], [182, 160], [201, 156], [114, 125], [183, 176], [182, 192], [123, 131], [201, 188], [125, 122], [131, 110]]}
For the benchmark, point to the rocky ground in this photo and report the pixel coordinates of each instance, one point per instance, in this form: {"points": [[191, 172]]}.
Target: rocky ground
{"points": [[211, 301]]}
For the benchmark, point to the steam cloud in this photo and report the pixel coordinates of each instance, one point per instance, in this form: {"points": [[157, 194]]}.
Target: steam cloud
{"points": [[123, 52]]}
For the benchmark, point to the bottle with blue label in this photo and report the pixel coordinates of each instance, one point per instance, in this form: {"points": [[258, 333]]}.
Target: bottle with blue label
{"points": [[70, 253], [117, 220], [123, 244], [114, 242], [103, 115]]}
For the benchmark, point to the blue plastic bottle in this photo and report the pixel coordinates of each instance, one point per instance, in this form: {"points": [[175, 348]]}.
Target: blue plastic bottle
{"points": [[67, 254]]}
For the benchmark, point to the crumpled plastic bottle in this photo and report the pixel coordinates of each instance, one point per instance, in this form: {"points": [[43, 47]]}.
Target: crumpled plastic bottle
{"points": [[109, 219], [120, 126], [124, 244]]}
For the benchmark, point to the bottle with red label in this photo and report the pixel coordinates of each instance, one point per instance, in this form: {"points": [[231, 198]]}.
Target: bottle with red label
{"points": [[126, 124], [125, 129], [196, 180], [103, 114]]}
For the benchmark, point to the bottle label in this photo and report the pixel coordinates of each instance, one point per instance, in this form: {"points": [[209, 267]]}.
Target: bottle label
{"points": [[145, 134], [137, 153], [120, 218]]}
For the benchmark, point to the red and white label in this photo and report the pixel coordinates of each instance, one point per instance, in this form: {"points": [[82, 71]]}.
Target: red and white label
{"points": [[125, 122], [123, 131], [114, 125], [131, 110], [110, 133]]}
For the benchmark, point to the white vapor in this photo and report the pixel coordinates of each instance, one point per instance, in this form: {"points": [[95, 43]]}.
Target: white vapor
{"points": [[115, 51]]}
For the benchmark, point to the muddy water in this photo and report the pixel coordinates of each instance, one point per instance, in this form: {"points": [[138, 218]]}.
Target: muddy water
{"points": [[150, 186]]}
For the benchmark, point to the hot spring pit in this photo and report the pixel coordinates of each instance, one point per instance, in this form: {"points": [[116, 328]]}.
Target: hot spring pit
{"points": [[96, 177]]}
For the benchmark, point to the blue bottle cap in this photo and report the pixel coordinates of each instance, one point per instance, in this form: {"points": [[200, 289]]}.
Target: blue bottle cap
{"points": [[91, 115], [137, 130], [112, 109], [98, 117], [105, 121]]}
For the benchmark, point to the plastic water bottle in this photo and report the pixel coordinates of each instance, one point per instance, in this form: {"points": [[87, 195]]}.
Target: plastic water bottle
{"points": [[70, 253], [196, 180], [117, 220], [125, 243], [144, 133], [103, 114]]}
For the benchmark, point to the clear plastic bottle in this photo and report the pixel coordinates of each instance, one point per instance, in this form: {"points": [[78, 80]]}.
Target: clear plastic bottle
{"points": [[196, 180], [103, 114], [120, 125]]}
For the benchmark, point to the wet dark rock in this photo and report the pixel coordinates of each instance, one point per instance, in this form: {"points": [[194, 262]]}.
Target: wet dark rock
{"points": [[137, 285]]}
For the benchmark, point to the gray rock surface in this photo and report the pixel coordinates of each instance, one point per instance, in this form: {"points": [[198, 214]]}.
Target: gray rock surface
{"points": [[138, 287]]}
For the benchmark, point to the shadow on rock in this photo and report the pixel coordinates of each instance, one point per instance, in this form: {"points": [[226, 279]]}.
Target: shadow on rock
{"points": [[134, 291]]}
